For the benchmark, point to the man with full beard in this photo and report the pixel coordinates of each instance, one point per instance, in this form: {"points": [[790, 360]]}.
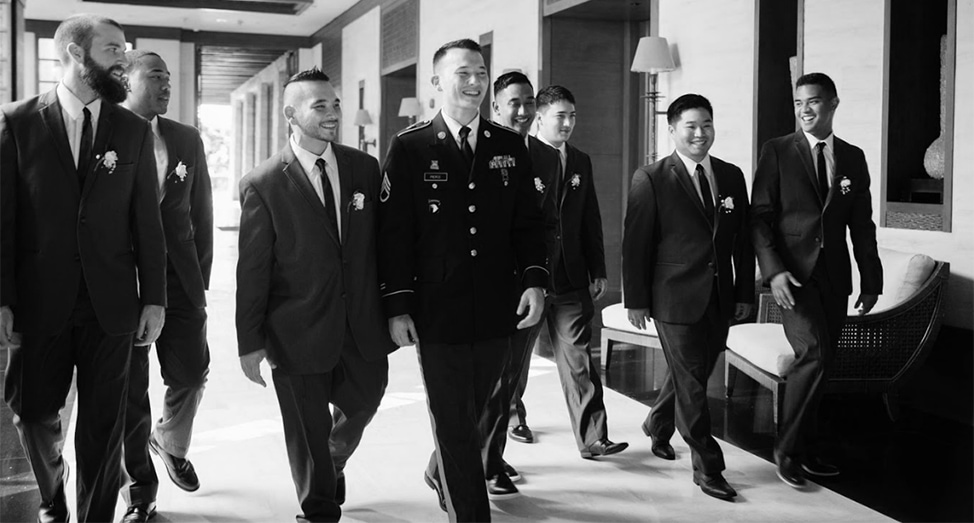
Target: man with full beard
{"points": [[82, 263]]}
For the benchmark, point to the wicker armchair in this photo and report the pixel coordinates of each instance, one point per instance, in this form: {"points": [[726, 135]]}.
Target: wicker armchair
{"points": [[876, 353]]}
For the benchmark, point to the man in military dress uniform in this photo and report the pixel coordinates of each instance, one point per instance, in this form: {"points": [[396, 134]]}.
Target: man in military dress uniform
{"points": [[461, 257]]}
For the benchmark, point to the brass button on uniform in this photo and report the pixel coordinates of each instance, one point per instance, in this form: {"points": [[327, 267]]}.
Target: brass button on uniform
{"points": [[472, 208], [473, 230], [473, 252]]}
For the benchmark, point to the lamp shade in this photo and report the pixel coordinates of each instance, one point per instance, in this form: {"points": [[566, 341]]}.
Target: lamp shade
{"points": [[410, 107], [652, 56], [362, 118]]}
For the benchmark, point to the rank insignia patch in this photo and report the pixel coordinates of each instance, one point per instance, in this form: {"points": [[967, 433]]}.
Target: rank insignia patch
{"points": [[434, 206], [386, 189]]}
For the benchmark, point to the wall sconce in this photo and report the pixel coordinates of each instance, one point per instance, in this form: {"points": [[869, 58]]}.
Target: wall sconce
{"points": [[410, 108], [362, 119], [652, 57]]}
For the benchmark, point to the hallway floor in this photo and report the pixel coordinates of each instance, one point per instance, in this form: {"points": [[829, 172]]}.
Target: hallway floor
{"points": [[238, 450]]}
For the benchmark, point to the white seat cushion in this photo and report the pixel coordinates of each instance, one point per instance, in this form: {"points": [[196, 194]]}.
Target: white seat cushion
{"points": [[764, 345], [615, 317], [903, 275]]}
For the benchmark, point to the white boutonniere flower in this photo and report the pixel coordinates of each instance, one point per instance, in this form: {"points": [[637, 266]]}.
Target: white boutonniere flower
{"points": [[727, 204], [845, 185], [358, 201], [576, 181], [109, 160], [538, 184], [180, 171]]}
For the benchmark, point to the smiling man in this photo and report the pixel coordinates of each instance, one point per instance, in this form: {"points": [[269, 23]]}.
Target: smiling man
{"points": [[186, 204], [461, 261], [809, 188], [687, 263]]}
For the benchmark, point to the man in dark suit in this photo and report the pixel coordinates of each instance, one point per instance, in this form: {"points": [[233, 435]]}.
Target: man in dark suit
{"points": [[83, 253], [687, 263], [461, 256], [187, 218], [576, 263], [307, 291], [809, 187]]}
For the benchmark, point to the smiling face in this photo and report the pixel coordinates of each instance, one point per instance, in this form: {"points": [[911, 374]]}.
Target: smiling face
{"points": [[462, 78], [693, 133], [815, 108], [149, 87], [102, 66], [314, 112], [514, 107], [556, 122]]}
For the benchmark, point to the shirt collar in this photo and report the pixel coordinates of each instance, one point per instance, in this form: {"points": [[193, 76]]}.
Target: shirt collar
{"points": [[813, 141], [454, 126], [154, 122], [307, 158], [691, 165], [73, 106], [562, 149]]}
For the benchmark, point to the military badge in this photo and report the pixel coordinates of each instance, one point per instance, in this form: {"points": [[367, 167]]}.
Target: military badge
{"points": [[576, 181], [505, 177], [501, 162], [434, 165], [441, 135], [386, 191], [434, 206], [486, 133]]}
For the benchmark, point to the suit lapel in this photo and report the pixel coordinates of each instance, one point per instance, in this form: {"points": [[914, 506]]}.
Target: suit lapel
{"points": [[54, 121], [683, 177], [838, 147], [564, 180], [805, 153], [346, 179], [295, 173], [103, 137], [169, 137]]}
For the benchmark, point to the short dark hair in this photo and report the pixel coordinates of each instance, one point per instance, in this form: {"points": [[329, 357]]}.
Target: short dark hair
{"points": [[552, 94], [684, 103], [135, 56], [820, 79], [465, 43], [78, 29], [510, 78], [311, 75]]}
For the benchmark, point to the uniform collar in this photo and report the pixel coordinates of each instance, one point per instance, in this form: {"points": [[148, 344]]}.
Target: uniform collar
{"points": [[454, 126]]}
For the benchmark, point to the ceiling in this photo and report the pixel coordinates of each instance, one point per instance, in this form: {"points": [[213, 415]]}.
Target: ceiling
{"points": [[223, 69], [234, 16]]}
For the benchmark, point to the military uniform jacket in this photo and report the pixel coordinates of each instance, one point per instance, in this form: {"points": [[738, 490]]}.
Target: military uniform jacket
{"points": [[187, 210], [456, 247]]}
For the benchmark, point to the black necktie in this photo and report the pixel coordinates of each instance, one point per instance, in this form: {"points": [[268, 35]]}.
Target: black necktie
{"points": [[329, 195], [84, 150], [823, 183], [465, 146], [707, 194]]}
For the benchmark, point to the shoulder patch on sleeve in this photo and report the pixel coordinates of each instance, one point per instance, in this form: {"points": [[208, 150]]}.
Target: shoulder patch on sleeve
{"points": [[386, 191], [415, 127]]}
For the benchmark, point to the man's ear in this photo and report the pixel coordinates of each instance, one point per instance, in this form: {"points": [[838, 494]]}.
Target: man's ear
{"points": [[76, 52], [835, 103], [288, 112], [435, 80]]}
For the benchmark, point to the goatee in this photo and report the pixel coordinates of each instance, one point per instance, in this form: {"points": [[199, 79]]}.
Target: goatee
{"points": [[103, 82]]}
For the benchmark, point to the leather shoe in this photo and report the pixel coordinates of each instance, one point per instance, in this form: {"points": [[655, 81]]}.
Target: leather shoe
{"points": [[790, 472], [522, 433], [817, 467], [435, 485], [715, 486], [57, 509], [662, 449], [140, 513], [512, 472], [501, 487], [604, 447], [340, 490], [180, 470]]}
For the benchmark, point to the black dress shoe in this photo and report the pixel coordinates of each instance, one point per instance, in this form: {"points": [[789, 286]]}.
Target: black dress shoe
{"points": [[512, 472], [790, 472], [604, 447], [522, 433], [140, 513], [663, 450], [340, 490], [715, 486], [435, 485], [501, 487], [180, 470], [56, 510], [817, 467]]}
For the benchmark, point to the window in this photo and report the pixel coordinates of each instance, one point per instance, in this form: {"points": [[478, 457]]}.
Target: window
{"points": [[49, 69]]}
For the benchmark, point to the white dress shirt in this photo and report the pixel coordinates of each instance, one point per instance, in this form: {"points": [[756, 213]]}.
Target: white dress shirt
{"points": [[708, 170], [162, 156], [74, 119], [829, 153], [307, 159], [454, 127], [562, 153]]}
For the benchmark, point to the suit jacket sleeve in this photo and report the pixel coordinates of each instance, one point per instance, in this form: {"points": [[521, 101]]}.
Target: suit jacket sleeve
{"points": [[765, 208], [863, 233], [201, 205], [639, 242], [149, 238], [592, 229], [743, 251], [396, 233], [8, 213], [528, 233], [254, 266]]}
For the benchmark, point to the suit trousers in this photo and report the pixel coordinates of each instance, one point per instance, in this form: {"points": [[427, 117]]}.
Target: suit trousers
{"points": [[460, 379], [38, 379], [184, 358], [568, 318], [691, 352], [320, 440], [812, 328], [504, 402]]}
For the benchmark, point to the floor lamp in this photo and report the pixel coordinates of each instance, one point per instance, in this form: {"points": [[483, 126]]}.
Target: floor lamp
{"points": [[652, 57]]}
